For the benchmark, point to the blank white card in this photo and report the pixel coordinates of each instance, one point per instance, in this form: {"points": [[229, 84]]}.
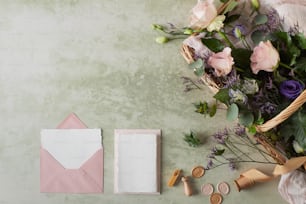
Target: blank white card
{"points": [[137, 161]]}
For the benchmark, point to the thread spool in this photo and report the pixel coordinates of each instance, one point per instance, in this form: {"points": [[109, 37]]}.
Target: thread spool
{"points": [[243, 182], [187, 188]]}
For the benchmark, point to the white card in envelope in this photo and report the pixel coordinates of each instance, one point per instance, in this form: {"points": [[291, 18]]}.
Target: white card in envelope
{"points": [[71, 147]]}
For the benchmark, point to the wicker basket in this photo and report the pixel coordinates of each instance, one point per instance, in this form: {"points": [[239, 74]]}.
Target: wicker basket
{"points": [[188, 54]]}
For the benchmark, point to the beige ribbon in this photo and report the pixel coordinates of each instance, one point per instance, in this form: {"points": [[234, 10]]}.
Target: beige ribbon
{"points": [[250, 177]]}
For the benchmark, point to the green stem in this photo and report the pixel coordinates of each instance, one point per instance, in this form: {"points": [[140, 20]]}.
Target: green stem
{"points": [[243, 153], [285, 65], [245, 43], [226, 39], [259, 162]]}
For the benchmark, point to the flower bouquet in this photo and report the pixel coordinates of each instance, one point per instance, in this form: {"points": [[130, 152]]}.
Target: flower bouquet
{"points": [[255, 67]]}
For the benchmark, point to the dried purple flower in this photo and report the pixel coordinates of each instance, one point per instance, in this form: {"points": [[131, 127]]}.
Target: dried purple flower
{"points": [[210, 164], [273, 23], [274, 20], [232, 165], [268, 108], [232, 80], [211, 156], [220, 137], [240, 130]]}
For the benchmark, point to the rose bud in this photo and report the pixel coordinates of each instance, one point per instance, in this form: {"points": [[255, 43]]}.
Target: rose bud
{"points": [[265, 57], [222, 62]]}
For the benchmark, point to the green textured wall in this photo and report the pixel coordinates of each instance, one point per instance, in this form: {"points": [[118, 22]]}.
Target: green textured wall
{"points": [[99, 59]]}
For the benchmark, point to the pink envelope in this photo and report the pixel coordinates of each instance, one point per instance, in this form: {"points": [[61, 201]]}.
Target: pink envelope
{"points": [[55, 178]]}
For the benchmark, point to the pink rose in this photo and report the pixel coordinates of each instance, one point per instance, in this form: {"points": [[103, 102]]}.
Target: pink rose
{"points": [[203, 14], [222, 62], [265, 57]]}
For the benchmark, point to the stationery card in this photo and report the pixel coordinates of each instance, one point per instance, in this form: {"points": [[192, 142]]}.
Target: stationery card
{"points": [[71, 158], [137, 161]]}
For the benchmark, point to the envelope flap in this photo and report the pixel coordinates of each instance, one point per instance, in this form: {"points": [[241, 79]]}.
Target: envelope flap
{"points": [[71, 147], [72, 122]]}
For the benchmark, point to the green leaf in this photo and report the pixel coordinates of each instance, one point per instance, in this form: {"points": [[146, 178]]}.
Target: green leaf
{"points": [[246, 118], [301, 65], [230, 7], [301, 40], [284, 37], [232, 112], [252, 130], [201, 107], [258, 36], [222, 96], [219, 151], [294, 53], [260, 19], [213, 44], [213, 110], [230, 19], [242, 58], [192, 139]]}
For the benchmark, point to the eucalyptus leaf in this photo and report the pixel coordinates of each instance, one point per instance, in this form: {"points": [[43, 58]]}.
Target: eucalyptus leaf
{"points": [[258, 36], [246, 118], [199, 72], [213, 44], [232, 112], [196, 64], [260, 19]]}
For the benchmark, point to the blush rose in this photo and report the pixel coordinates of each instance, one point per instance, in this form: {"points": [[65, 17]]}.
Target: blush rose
{"points": [[264, 57], [202, 14], [222, 62]]}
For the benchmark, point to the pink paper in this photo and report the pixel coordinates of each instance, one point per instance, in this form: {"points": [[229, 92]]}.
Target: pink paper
{"points": [[54, 178]]}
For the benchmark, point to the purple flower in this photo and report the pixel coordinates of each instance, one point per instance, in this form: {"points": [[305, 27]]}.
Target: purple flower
{"points": [[239, 31], [291, 89]]}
